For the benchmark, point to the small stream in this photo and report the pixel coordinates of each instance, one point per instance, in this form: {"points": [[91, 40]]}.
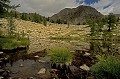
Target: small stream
{"points": [[25, 64]]}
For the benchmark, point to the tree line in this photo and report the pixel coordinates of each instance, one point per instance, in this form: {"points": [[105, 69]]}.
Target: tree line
{"points": [[106, 24], [7, 10]]}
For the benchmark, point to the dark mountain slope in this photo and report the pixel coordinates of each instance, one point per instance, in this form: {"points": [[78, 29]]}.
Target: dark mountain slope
{"points": [[77, 15]]}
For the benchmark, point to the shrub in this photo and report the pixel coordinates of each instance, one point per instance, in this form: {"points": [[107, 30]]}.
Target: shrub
{"points": [[107, 68], [61, 55], [12, 43]]}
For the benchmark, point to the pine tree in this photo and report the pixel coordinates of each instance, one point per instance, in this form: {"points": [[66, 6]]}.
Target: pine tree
{"points": [[4, 6], [111, 21], [44, 22]]}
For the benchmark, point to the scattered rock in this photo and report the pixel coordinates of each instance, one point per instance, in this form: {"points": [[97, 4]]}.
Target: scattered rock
{"points": [[5, 58], [1, 77], [85, 67], [1, 52], [91, 77], [11, 78], [36, 56], [15, 72], [86, 54], [41, 61], [72, 51], [31, 78], [1, 61], [113, 44], [42, 71], [21, 65], [53, 70], [74, 69], [1, 70], [5, 74], [1, 58]]}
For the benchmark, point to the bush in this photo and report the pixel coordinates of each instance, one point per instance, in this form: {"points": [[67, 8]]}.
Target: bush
{"points": [[12, 43], [107, 68], [61, 55]]}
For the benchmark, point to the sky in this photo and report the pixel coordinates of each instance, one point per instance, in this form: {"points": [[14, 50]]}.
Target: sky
{"points": [[51, 7]]}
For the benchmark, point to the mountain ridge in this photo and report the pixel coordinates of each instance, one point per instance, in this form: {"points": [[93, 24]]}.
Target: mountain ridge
{"points": [[78, 15]]}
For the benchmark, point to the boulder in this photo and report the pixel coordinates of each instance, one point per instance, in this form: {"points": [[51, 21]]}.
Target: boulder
{"points": [[1, 70], [85, 67], [1, 52], [41, 61], [1, 77], [21, 65], [86, 54], [42, 71], [36, 56]]}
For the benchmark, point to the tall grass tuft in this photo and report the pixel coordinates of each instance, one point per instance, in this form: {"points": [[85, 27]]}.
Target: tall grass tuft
{"points": [[61, 55], [107, 68]]}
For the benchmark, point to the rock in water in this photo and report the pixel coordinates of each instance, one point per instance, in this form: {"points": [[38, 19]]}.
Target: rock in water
{"points": [[86, 54], [21, 65], [1, 70], [1, 52], [85, 67], [41, 61], [42, 71], [36, 56], [1, 77]]}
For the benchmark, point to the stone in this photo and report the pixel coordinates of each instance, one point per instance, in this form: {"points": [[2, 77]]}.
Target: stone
{"points": [[86, 54], [42, 71], [15, 72], [11, 78], [5, 58], [21, 65], [41, 61], [36, 56], [1, 70], [114, 34], [1, 61], [1, 52], [113, 44], [31, 78], [6, 73], [85, 67], [1, 77], [73, 69], [1, 58]]}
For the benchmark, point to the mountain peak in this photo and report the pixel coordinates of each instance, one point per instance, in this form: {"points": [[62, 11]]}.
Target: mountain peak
{"points": [[77, 15]]}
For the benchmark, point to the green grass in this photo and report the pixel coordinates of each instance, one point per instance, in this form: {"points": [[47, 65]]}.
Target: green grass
{"points": [[12, 42], [107, 68], [61, 55]]}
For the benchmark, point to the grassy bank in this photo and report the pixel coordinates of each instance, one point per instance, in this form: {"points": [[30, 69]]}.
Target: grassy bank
{"points": [[9, 43]]}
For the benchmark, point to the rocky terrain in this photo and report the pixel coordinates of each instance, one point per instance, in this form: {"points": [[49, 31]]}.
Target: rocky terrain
{"points": [[39, 34]]}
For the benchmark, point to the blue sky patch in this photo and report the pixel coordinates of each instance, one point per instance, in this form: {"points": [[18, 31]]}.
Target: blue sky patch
{"points": [[91, 1], [87, 1]]}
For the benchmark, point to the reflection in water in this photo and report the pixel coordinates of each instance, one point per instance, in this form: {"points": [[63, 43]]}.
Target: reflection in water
{"points": [[31, 56]]}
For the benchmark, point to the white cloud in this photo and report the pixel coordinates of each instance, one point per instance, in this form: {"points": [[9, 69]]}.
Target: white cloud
{"points": [[44, 7], [50, 7], [107, 6]]}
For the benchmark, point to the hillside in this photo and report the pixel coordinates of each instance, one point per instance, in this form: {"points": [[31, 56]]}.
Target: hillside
{"points": [[117, 15], [77, 15], [37, 32]]}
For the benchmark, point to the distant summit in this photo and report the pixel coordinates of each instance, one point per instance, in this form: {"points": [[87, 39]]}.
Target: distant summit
{"points": [[77, 15]]}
